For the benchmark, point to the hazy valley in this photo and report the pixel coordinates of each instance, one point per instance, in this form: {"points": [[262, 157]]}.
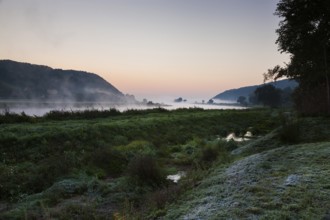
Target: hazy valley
{"points": [[153, 110]]}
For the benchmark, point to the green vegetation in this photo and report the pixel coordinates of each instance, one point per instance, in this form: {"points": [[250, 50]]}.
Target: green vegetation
{"points": [[289, 182], [271, 179], [114, 165], [278, 176], [98, 164]]}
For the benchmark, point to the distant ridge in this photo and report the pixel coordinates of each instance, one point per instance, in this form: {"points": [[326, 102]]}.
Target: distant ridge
{"points": [[25, 81], [233, 94]]}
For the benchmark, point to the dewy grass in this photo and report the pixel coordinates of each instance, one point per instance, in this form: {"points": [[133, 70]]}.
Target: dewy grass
{"points": [[284, 182], [263, 178]]}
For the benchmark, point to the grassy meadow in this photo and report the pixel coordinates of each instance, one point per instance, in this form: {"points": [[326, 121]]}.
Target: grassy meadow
{"points": [[113, 165]]}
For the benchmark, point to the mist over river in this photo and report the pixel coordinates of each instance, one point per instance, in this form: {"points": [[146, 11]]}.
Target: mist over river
{"points": [[37, 108]]}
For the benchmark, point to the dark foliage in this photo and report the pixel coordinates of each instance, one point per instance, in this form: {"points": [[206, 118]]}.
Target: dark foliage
{"points": [[146, 170], [8, 118], [310, 101], [234, 94], [290, 133], [304, 33], [160, 198], [242, 100], [209, 154], [268, 95], [112, 162], [85, 114]]}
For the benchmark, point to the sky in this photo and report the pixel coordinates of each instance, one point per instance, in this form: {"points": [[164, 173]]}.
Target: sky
{"points": [[148, 48]]}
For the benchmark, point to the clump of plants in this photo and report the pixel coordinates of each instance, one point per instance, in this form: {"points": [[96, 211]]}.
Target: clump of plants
{"points": [[227, 145], [216, 151], [137, 147], [290, 133], [11, 117], [110, 161], [209, 154], [144, 170]]}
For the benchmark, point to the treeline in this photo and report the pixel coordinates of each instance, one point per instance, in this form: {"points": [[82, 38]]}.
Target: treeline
{"points": [[268, 95]]}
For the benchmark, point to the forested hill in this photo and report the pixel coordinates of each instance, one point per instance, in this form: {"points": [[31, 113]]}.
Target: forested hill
{"points": [[27, 81], [233, 94]]}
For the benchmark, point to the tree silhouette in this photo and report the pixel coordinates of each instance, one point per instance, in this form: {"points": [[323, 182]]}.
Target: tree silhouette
{"points": [[268, 95], [242, 100], [304, 33]]}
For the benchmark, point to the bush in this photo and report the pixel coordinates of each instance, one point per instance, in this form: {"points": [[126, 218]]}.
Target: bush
{"points": [[78, 211], [145, 170], [112, 162], [48, 171], [157, 200], [290, 133], [135, 148], [227, 145], [209, 154]]}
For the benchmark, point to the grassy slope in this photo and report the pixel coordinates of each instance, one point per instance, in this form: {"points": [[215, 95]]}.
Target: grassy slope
{"points": [[281, 182]]}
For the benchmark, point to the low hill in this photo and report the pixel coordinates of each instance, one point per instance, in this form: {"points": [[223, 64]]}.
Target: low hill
{"points": [[24, 81], [233, 94]]}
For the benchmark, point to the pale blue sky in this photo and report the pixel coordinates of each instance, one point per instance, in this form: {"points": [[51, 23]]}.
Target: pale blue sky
{"points": [[147, 47]]}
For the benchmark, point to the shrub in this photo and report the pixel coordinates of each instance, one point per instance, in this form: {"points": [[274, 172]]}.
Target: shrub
{"points": [[209, 154], [227, 145], [48, 171], [145, 170], [157, 200], [161, 197], [112, 162], [78, 211], [290, 133], [135, 148]]}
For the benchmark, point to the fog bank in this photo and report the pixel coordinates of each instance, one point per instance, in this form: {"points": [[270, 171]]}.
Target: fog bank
{"points": [[40, 108]]}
